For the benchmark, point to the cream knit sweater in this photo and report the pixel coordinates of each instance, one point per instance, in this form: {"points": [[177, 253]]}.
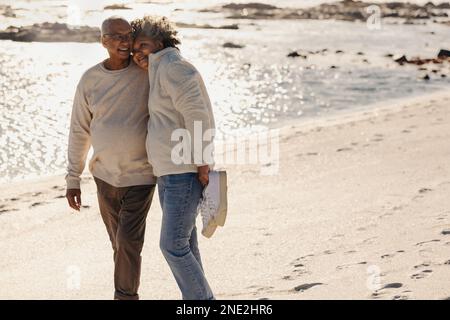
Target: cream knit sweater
{"points": [[178, 100], [110, 112]]}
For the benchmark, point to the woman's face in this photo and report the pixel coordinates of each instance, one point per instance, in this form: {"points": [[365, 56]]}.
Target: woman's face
{"points": [[142, 47]]}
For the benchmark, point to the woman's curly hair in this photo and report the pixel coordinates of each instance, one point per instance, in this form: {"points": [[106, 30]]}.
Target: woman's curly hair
{"points": [[156, 28]]}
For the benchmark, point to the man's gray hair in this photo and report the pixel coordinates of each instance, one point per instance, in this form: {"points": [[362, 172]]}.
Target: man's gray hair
{"points": [[106, 25]]}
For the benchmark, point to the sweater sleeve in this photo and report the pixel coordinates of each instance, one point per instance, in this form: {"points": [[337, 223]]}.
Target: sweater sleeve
{"points": [[188, 93], [79, 138]]}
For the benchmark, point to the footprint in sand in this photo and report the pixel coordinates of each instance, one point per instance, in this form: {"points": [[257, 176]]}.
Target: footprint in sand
{"points": [[364, 228], [425, 242], [384, 215], [393, 285], [379, 293], [302, 258], [343, 149], [7, 210], [259, 289], [345, 266], [425, 264], [299, 269], [300, 272], [421, 275], [375, 295], [370, 240], [391, 255], [306, 286], [400, 297], [378, 137], [36, 204]]}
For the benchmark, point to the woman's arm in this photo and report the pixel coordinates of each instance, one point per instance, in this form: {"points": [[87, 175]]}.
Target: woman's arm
{"points": [[186, 88]]}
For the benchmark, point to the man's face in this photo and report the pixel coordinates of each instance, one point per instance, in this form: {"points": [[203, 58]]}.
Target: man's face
{"points": [[142, 47], [118, 40]]}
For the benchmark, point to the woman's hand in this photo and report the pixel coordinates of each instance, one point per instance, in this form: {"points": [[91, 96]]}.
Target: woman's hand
{"points": [[203, 174]]}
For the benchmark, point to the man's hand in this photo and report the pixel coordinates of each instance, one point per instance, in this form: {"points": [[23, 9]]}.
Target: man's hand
{"points": [[203, 174], [74, 198]]}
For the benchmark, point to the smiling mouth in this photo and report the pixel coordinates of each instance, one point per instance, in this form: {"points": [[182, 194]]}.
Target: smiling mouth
{"points": [[125, 50]]}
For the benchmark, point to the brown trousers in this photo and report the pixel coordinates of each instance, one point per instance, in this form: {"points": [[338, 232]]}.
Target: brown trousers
{"points": [[124, 211]]}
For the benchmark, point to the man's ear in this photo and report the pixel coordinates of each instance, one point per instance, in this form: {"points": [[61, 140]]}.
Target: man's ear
{"points": [[160, 45], [103, 41]]}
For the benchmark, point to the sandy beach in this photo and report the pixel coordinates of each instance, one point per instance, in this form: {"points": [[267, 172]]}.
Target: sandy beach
{"points": [[359, 210]]}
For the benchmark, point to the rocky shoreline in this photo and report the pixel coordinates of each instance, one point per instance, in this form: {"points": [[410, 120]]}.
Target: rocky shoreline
{"points": [[61, 32], [346, 10], [439, 65], [51, 32], [7, 12]]}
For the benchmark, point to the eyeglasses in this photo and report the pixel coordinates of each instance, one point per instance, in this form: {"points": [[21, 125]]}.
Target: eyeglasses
{"points": [[120, 37]]}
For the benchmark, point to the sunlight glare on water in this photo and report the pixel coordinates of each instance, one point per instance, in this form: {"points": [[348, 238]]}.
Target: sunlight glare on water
{"points": [[250, 88]]}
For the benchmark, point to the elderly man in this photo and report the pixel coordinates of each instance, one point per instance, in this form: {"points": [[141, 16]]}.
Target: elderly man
{"points": [[110, 112]]}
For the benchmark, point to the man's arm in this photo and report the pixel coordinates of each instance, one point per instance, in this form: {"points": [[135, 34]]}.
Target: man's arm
{"points": [[186, 89], [79, 144]]}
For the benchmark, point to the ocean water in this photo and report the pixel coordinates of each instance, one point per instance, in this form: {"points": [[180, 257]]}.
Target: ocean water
{"points": [[254, 87]]}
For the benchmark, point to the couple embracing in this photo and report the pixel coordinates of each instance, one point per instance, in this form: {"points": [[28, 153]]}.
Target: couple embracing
{"points": [[128, 108]]}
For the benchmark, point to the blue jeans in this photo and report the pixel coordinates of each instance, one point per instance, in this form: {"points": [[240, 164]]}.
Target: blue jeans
{"points": [[179, 195]]}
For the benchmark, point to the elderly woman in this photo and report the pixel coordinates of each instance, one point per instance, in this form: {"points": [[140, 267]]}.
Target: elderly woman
{"points": [[180, 116]]}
